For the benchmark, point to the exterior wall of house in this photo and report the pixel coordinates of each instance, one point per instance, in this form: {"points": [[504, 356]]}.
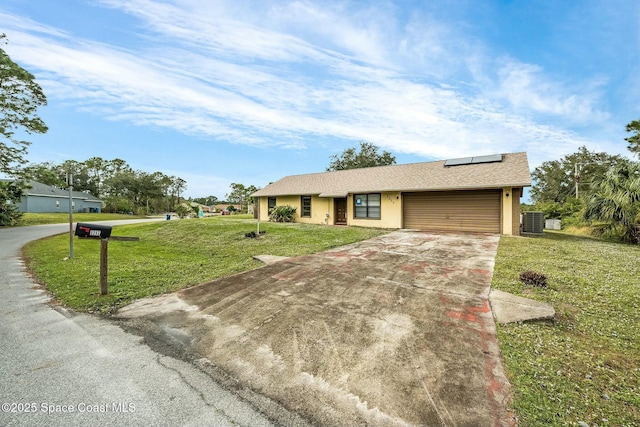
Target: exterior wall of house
{"points": [[320, 206], [282, 201], [511, 210], [42, 204], [88, 206], [517, 194], [507, 210], [390, 212], [262, 211]]}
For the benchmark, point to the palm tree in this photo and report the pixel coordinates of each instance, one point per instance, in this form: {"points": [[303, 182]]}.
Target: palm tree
{"points": [[615, 202]]}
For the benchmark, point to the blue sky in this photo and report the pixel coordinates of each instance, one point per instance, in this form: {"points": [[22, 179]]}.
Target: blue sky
{"points": [[249, 91]]}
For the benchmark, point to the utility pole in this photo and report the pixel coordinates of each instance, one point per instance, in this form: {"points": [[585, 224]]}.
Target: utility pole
{"points": [[576, 177], [70, 182], [578, 166]]}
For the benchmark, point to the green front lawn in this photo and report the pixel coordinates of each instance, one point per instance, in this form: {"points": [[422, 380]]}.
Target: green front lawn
{"points": [[171, 255], [585, 366], [61, 218]]}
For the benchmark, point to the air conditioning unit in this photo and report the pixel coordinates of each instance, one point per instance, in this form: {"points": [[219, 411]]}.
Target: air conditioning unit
{"points": [[533, 222]]}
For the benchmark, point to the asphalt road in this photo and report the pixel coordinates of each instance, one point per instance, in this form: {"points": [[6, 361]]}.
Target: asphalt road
{"points": [[62, 368]]}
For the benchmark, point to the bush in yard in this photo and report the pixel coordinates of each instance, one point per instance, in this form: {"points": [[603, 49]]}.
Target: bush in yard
{"points": [[283, 214], [118, 204], [615, 203], [10, 195], [182, 211], [534, 279]]}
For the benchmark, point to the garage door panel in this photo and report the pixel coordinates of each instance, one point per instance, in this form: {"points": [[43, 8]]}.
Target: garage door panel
{"points": [[477, 211]]}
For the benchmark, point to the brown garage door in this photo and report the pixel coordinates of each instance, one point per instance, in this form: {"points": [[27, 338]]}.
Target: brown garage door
{"points": [[477, 211]]}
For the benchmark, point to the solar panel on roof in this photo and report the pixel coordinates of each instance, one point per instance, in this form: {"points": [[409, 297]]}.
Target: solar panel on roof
{"points": [[492, 158], [458, 162], [487, 159]]}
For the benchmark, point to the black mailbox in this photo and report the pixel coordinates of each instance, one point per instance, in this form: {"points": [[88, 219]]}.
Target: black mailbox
{"points": [[93, 231]]}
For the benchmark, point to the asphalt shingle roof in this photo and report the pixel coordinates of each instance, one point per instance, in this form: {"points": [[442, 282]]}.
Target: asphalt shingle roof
{"points": [[512, 171], [39, 189]]}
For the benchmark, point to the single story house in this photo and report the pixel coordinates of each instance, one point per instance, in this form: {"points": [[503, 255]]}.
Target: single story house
{"points": [[203, 208], [45, 198], [473, 194]]}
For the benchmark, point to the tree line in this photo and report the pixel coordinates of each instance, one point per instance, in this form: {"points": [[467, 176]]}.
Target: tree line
{"points": [[595, 189], [118, 185]]}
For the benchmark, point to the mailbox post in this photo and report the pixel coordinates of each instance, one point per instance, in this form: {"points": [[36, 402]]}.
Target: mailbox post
{"points": [[104, 265], [102, 232]]}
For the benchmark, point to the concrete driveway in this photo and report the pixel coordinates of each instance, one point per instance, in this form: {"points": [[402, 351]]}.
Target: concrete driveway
{"points": [[396, 330]]}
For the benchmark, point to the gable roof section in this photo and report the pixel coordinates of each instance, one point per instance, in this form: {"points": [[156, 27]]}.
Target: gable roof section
{"points": [[512, 171], [43, 190]]}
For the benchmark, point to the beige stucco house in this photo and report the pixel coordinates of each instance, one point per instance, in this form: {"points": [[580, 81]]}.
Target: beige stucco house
{"points": [[473, 194]]}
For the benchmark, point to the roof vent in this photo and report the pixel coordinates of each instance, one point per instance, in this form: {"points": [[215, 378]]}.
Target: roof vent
{"points": [[492, 158]]}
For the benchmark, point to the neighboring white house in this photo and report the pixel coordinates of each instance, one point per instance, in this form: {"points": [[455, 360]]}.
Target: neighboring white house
{"points": [[44, 198]]}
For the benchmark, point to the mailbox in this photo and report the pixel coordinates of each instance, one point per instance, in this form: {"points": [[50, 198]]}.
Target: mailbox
{"points": [[93, 231]]}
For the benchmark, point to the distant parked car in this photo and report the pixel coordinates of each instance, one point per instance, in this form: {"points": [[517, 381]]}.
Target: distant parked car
{"points": [[225, 212]]}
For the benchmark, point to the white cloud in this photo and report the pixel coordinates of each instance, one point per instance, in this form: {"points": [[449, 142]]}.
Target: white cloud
{"points": [[526, 88], [203, 185], [363, 32], [20, 23], [208, 29], [313, 72]]}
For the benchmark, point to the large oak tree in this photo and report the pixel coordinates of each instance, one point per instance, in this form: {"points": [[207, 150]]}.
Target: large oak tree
{"points": [[366, 157], [20, 97]]}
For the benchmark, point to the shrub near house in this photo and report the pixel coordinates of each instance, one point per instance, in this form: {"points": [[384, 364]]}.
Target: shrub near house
{"points": [[282, 214]]}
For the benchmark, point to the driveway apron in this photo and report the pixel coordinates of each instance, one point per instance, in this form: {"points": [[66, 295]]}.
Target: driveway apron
{"points": [[395, 330]]}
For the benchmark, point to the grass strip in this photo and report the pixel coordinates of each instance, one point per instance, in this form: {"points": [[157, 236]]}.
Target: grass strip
{"points": [[61, 218], [584, 366]]}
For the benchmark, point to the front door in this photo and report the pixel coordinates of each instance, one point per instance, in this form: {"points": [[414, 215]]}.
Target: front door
{"points": [[340, 211]]}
